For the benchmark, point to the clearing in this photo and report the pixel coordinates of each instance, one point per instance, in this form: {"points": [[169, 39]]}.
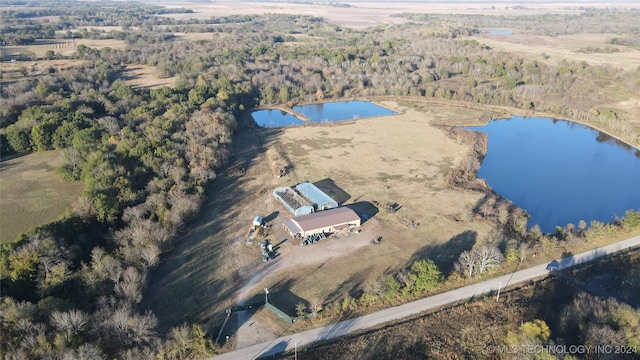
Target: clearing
{"points": [[31, 193], [370, 13], [366, 164], [565, 47]]}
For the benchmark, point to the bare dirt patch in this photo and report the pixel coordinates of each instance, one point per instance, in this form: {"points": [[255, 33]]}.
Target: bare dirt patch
{"points": [[31, 193]]}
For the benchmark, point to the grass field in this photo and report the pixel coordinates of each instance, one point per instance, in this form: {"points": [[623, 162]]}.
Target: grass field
{"points": [[31, 193], [142, 76], [565, 47], [370, 163], [366, 14]]}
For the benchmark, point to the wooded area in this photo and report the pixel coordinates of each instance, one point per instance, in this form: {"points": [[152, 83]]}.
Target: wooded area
{"points": [[71, 288]]}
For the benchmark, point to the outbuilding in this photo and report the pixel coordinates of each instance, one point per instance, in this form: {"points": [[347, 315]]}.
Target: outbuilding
{"points": [[327, 221]]}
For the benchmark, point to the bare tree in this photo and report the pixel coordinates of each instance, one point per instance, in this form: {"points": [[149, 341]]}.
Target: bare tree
{"points": [[488, 257], [523, 250], [315, 305], [69, 322], [130, 285], [467, 263], [150, 254], [84, 352]]}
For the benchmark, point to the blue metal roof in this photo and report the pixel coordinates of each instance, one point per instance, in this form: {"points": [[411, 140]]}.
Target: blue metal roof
{"points": [[319, 198]]}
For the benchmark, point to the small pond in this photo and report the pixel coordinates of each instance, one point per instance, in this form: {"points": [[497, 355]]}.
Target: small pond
{"points": [[320, 113], [560, 171], [500, 32]]}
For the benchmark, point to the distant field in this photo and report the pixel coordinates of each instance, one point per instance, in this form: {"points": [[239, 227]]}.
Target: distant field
{"points": [[63, 47], [366, 14], [31, 193], [135, 75], [566, 47]]}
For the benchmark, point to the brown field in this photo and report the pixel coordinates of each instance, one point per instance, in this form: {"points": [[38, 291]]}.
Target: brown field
{"points": [[368, 164], [31, 193], [62, 47], [565, 47], [366, 14]]}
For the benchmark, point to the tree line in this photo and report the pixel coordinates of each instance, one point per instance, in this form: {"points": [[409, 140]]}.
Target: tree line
{"points": [[73, 287]]}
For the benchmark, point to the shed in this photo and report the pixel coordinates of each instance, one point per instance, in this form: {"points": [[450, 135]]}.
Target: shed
{"points": [[327, 221], [319, 199]]}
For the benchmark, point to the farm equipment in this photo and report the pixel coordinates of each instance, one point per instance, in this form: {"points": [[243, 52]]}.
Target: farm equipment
{"points": [[312, 239]]}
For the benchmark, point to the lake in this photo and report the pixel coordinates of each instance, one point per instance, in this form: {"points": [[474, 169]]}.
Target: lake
{"points": [[321, 113], [560, 171]]}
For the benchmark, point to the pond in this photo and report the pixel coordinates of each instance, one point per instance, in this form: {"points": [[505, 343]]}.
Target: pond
{"points": [[560, 171], [500, 32], [321, 113]]}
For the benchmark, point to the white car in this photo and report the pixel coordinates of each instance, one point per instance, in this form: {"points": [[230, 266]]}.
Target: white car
{"points": [[553, 266]]}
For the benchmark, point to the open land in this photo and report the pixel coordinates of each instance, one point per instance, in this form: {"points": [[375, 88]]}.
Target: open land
{"points": [[367, 14], [370, 163], [137, 76], [31, 193]]}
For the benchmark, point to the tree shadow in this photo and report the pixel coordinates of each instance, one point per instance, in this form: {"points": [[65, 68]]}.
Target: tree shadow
{"points": [[364, 209], [280, 296], [200, 257], [4, 164], [334, 191], [445, 255], [351, 287], [276, 349]]}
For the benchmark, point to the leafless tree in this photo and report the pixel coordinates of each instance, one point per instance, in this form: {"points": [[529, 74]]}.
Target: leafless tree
{"points": [[130, 284], [488, 257], [150, 254], [84, 352], [522, 251], [315, 305], [467, 263], [110, 124], [71, 157], [69, 322], [84, 208]]}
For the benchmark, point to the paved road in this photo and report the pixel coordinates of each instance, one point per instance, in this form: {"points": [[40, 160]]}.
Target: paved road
{"points": [[342, 328]]}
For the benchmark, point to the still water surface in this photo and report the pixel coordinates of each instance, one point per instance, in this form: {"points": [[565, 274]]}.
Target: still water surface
{"points": [[560, 171], [319, 113]]}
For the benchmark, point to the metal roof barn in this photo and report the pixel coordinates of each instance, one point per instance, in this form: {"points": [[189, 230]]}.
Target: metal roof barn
{"points": [[291, 200], [319, 198], [322, 222]]}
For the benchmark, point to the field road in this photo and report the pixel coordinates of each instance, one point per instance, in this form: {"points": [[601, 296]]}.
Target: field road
{"points": [[285, 343]]}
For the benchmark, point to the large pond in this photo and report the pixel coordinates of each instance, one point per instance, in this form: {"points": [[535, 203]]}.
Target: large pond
{"points": [[559, 171], [319, 113]]}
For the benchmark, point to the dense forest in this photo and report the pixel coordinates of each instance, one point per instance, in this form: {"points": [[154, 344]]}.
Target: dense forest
{"points": [[72, 288]]}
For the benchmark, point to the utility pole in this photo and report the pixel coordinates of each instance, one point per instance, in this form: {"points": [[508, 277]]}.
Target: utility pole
{"points": [[498, 296], [266, 295], [295, 351]]}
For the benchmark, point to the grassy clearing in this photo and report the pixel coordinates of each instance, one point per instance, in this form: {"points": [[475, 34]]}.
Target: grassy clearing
{"points": [[62, 47], [566, 47], [31, 193], [371, 163], [367, 14]]}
